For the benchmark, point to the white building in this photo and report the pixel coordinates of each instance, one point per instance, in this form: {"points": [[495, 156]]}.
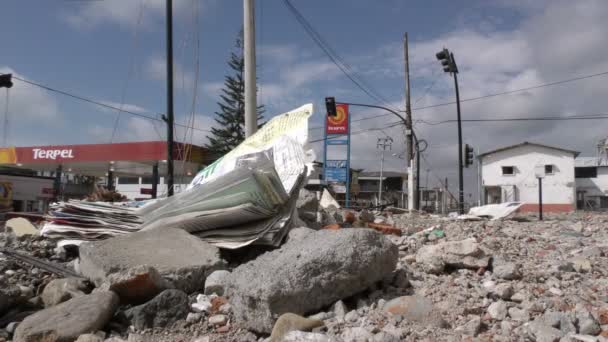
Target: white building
{"points": [[508, 174], [591, 183]]}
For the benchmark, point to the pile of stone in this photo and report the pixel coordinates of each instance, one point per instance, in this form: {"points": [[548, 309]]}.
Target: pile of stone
{"points": [[441, 280]]}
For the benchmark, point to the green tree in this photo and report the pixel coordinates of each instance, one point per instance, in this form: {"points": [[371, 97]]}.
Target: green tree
{"points": [[231, 116]]}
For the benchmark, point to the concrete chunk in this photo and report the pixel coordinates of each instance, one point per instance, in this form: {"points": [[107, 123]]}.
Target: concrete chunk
{"points": [[322, 268], [68, 320], [60, 290], [179, 257]]}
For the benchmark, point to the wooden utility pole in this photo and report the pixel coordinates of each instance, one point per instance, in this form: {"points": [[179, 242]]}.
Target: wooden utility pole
{"points": [[409, 140]]}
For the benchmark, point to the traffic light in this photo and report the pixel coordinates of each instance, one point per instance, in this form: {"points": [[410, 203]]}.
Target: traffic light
{"points": [[447, 60], [6, 81], [468, 155], [330, 104]]}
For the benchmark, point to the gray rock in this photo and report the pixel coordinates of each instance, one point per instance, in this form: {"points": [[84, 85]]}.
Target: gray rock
{"points": [[60, 290], [216, 282], [566, 323], [300, 278], [384, 336], [415, 309], [136, 285], [8, 298], [519, 315], [11, 327], [340, 309], [90, 338], [194, 317], [498, 310], [471, 328], [544, 333], [179, 257], [507, 271], [581, 265], [503, 291], [301, 336], [351, 316], [587, 324], [356, 334], [218, 320], [458, 254], [292, 322], [68, 320], [552, 318], [162, 311]]}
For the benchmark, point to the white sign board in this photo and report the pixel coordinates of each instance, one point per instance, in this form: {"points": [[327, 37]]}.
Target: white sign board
{"points": [[539, 171]]}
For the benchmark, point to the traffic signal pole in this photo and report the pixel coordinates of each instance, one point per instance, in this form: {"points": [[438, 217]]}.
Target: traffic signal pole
{"points": [[169, 119], [460, 166]]}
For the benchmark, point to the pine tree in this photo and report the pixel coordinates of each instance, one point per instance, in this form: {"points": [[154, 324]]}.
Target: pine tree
{"points": [[231, 116]]}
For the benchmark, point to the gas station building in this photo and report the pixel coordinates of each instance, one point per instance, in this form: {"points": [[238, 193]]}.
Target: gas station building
{"points": [[31, 177]]}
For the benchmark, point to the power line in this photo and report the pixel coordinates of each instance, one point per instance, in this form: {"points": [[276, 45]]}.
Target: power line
{"points": [[98, 103], [335, 57], [490, 95], [540, 118], [394, 124]]}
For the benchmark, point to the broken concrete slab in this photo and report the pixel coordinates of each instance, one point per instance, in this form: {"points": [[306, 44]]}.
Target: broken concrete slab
{"points": [[322, 268], [458, 254], [60, 290], [136, 285], [162, 311], [416, 309], [216, 282], [68, 320], [292, 322], [20, 227], [179, 257]]}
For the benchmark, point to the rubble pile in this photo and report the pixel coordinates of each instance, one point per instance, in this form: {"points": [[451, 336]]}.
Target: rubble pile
{"points": [[442, 280]]}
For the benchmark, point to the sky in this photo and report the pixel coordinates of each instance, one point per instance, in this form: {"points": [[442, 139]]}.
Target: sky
{"points": [[113, 51]]}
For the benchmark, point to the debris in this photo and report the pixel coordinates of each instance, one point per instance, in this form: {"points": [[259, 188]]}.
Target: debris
{"points": [[291, 322], [20, 227], [136, 285], [323, 267], [385, 228], [218, 320], [416, 309], [203, 303], [300, 336], [587, 324], [216, 282], [179, 257], [61, 290], [68, 320], [498, 310], [507, 271], [163, 310], [458, 254], [496, 211]]}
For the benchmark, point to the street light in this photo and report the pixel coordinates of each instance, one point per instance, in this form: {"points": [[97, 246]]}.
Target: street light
{"points": [[449, 65]]}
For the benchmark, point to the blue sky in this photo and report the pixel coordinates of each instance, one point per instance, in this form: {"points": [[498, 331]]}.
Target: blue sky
{"points": [[113, 51]]}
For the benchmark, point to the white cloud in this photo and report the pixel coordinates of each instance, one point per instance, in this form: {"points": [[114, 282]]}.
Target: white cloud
{"points": [[28, 102], [126, 13]]}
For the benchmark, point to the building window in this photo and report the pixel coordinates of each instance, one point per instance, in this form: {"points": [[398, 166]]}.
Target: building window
{"points": [[548, 169], [128, 180], [508, 170], [585, 172]]}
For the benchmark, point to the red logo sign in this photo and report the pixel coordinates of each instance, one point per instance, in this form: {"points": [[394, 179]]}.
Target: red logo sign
{"points": [[145, 191], [338, 124]]}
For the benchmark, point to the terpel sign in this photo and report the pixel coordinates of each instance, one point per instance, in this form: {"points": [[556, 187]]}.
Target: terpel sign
{"points": [[40, 153], [338, 124]]}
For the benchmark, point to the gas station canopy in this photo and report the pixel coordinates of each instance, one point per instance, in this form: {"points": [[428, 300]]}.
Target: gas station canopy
{"points": [[131, 158]]}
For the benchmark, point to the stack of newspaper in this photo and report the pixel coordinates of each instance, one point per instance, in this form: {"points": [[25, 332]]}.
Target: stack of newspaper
{"points": [[246, 197]]}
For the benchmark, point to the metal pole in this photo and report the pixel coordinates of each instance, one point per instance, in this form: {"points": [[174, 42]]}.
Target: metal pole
{"points": [[460, 178], [155, 180], [169, 118], [480, 201], [250, 78], [540, 198], [408, 123], [417, 176], [57, 183], [380, 187]]}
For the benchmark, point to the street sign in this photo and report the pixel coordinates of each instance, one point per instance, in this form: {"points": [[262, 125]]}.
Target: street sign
{"points": [[335, 174], [338, 124], [337, 142], [336, 163], [539, 171]]}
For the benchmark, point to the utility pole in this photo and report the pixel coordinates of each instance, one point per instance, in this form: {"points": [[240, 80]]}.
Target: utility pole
{"points": [[382, 144], [169, 118], [408, 118], [251, 114]]}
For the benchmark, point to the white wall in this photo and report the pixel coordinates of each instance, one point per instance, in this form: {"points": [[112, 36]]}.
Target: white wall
{"points": [[558, 188], [132, 191]]}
